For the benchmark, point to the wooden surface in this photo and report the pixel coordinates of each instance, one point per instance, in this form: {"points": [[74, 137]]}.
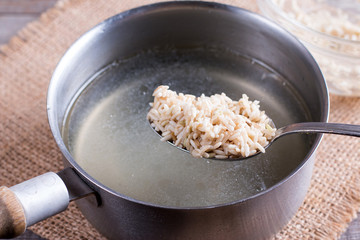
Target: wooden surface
{"points": [[15, 14]]}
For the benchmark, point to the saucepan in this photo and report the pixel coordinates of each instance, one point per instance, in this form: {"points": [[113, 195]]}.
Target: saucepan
{"points": [[129, 184]]}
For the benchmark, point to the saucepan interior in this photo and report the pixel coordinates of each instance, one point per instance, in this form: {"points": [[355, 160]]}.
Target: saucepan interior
{"points": [[101, 90]]}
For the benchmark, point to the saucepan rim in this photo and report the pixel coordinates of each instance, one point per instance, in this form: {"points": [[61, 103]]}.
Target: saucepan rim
{"points": [[56, 126]]}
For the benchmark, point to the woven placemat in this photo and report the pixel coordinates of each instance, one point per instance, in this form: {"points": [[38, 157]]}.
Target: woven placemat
{"points": [[27, 148]]}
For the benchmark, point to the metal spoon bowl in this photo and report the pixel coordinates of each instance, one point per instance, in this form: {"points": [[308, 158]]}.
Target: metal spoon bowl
{"points": [[303, 127]]}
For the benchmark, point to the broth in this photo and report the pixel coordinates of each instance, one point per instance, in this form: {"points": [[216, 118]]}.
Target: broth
{"points": [[108, 135]]}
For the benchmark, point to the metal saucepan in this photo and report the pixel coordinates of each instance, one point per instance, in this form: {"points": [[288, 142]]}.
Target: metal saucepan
{"points": [[108, 76]]}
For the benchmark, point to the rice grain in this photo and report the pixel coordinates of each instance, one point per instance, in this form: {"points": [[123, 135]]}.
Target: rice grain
{"points": [[214, 126]]}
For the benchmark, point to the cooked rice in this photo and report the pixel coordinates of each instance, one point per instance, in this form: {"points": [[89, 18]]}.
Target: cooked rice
{"points": [[210, 127]]}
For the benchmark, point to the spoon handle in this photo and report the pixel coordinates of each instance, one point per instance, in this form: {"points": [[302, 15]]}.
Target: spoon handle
{"points": [[320, 127]]}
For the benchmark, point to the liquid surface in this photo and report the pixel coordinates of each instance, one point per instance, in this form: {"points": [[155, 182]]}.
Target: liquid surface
{"points": [[110, 138]]}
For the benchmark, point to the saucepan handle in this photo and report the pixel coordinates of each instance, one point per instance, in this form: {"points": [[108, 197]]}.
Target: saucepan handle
{"points": [[12, 215], [36, 199]]}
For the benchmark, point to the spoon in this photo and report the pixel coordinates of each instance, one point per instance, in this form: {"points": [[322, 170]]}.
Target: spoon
{"points": [[309, 127], [304, 127]]}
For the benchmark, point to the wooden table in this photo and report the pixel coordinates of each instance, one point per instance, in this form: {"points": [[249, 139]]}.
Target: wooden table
{"points": [[15, 14]]}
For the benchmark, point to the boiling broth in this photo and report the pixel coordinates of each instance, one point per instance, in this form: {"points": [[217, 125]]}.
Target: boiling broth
{"points": [[108, 135]]}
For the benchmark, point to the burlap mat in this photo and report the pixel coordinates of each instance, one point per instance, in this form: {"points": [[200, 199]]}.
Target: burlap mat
{"points": [[27, 148]]}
